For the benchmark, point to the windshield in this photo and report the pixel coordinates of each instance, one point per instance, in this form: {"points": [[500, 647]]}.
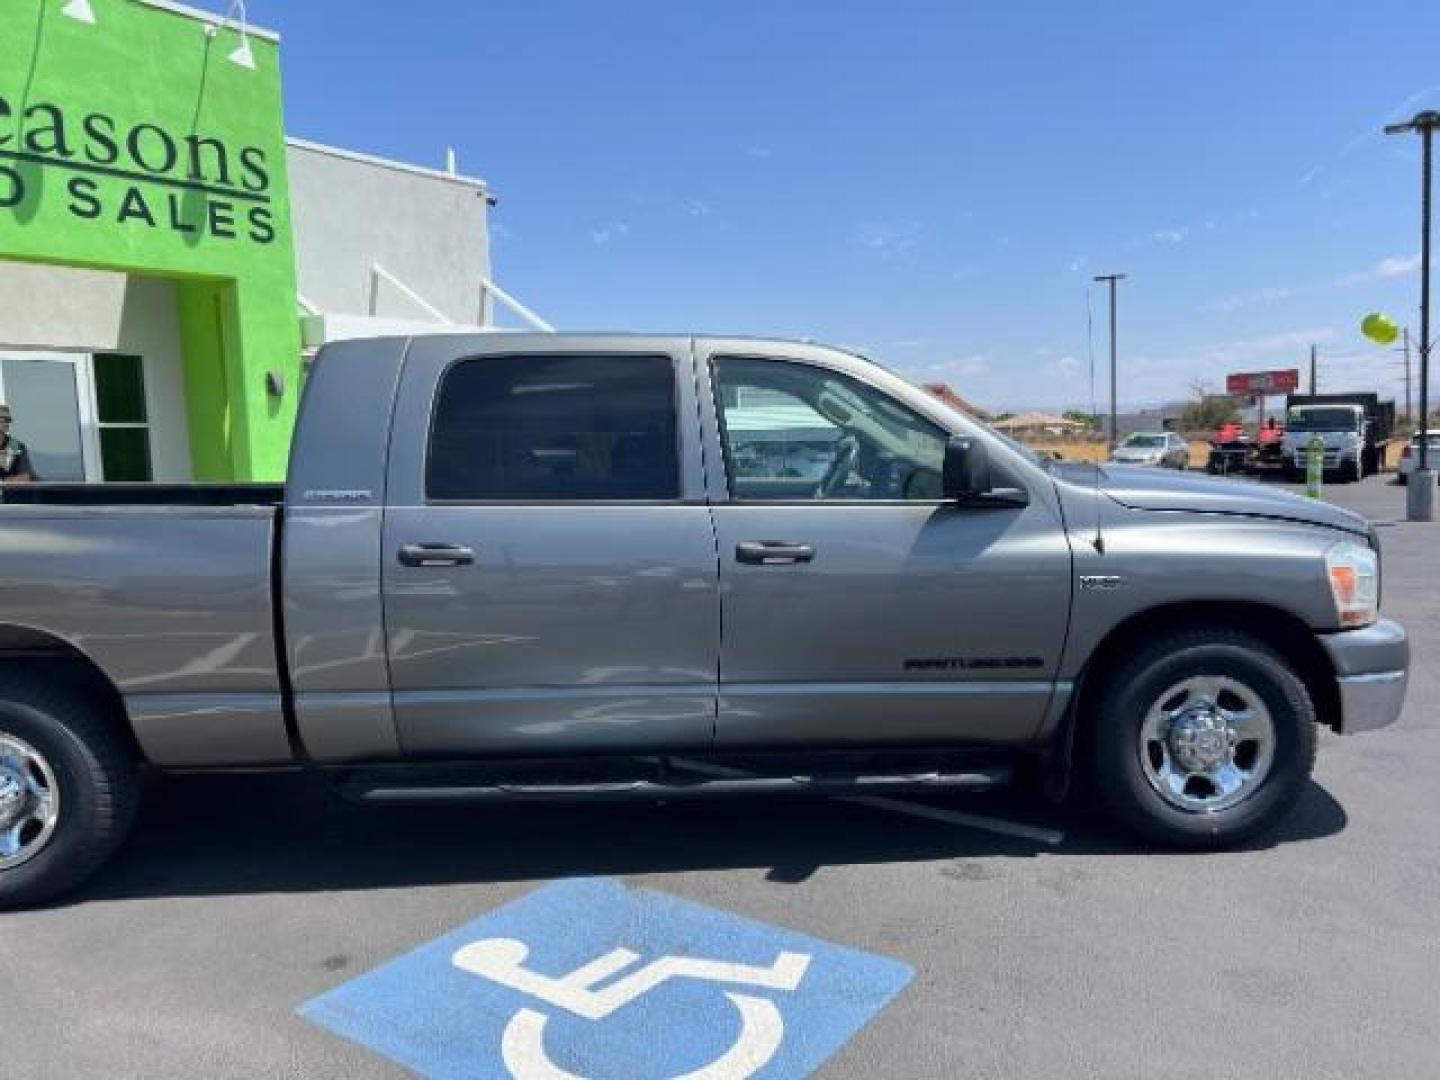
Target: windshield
{"points": [[1145, 442], [1335, 418]]}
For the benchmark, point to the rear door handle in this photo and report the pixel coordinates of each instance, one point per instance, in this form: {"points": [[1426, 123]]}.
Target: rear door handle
{"points": [[772, 552], [424, 555]]}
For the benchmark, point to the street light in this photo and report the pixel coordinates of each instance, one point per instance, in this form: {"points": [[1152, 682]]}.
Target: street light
{"points": [[243, 55], [1420, 495], [1111, 279]]}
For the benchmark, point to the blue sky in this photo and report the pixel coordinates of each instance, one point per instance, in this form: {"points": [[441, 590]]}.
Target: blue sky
{"points": [[932, 182]]}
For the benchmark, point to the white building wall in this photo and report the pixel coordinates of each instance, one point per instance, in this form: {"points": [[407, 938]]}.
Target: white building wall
{"points": [[64, 309], [351, 212], [150, 328]]}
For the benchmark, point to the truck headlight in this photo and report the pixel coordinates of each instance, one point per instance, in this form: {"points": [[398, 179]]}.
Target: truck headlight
{"points": [[1353, 570]]}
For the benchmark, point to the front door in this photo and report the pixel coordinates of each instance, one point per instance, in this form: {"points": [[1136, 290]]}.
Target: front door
{"points": [[859, 608], [549, 565], [50, 397]]}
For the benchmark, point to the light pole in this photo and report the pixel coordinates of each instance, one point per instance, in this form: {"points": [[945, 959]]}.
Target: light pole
{"points": [[1111, 279], [1420, 494]]}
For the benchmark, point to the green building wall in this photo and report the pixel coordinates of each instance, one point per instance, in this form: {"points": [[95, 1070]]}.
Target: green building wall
{"points": [[135, 144]]}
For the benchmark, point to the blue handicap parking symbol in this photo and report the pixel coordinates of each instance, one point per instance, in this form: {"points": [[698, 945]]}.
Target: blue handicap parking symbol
{"points": [[591, 978]]}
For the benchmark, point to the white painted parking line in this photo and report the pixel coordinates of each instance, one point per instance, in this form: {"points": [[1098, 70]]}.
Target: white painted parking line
{"points": [[1049, 837]]}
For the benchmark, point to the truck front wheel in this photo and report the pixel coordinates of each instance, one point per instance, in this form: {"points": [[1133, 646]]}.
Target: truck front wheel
{"points": [[1201, 739], [68, 789]]}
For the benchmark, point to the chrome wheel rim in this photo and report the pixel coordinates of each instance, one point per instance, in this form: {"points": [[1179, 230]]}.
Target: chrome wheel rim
{"points": [[1207, 744], [29, 802]]}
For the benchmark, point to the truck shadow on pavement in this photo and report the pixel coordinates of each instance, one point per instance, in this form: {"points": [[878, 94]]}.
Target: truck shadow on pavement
{"points": [[223, 835]]}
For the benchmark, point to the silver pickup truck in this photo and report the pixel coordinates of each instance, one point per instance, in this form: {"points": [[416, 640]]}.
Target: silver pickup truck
{"points": [[601, 566]]}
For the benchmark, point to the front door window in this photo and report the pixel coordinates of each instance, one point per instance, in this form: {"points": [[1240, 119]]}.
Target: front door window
{"points": [[793, 431]]}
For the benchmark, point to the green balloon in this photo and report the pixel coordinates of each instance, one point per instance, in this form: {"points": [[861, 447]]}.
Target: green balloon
{"points": [[1379, 328]]}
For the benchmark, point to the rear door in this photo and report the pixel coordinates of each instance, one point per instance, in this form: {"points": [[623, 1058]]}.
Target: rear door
{"points": [[550, 568], [859, 607]]}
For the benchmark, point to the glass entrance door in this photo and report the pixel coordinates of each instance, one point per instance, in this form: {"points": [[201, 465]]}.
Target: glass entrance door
{"points": [[50, 397]]}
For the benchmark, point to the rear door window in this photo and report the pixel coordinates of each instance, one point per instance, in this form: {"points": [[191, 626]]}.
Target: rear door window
{"points": [[555, 428]]}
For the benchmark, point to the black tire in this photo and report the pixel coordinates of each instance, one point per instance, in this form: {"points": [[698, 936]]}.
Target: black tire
{"points": [[1123, 696], [96, 773], [1352, 473]]}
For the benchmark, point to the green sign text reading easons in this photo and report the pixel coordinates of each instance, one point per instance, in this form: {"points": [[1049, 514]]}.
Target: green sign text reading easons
{"points": [[189, 183]]}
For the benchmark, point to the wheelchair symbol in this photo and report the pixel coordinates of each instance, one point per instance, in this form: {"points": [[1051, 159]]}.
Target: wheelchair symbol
{"points": [[522, 1047]]}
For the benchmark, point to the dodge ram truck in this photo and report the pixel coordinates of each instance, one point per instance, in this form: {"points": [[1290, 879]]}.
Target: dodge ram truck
{"points": [[541, 566]]}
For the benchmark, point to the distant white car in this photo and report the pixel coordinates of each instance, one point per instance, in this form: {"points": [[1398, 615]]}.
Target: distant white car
{"points": [[1161, 449], [1410, 456]]}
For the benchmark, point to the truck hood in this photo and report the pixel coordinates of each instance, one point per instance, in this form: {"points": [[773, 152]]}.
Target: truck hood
{"points": [[1155, 489]]}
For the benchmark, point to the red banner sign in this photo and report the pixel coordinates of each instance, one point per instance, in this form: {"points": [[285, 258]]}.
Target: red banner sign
{"points": [[1263, 382]]}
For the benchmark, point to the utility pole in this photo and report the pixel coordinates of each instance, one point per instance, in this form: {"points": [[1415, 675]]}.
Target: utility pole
{"points": [[1111, 279], [1408, 414], [1312, 369], [1420, 492]]}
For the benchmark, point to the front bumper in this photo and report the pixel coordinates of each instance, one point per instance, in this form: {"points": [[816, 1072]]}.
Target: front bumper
{"points": [[1372, 668]]}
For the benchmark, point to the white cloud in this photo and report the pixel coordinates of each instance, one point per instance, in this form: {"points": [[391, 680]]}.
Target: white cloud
{"points": [[1171, 236], [698, 208], [888, 239], [605, 233], [1392, 266], [1170, 372], [1077, 264], [1065, 367], [972, 366], [758, 152], [1257, 296], [1397, 266]]}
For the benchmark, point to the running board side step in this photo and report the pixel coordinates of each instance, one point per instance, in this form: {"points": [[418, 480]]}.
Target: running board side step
{"points": [[391, 787]]}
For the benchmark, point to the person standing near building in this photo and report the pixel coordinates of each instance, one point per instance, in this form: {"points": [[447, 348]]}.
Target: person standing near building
{"points": [[15, 464]]}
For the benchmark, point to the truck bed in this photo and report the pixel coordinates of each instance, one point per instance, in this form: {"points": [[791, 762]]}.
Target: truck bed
{"points": [[168, 589]]}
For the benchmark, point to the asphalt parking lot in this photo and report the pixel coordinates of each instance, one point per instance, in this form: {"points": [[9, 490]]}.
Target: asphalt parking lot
{"points": [[1313, 954]]}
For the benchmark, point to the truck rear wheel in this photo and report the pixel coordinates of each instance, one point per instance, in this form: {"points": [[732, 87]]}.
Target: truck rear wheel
{"points": [[1201, 739], [68, 789]]}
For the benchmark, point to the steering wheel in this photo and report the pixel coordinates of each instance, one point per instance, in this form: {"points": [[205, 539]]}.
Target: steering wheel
{"points": [[846, 455]]}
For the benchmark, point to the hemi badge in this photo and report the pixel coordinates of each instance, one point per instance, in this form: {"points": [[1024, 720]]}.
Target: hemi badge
{"points": [[1099, 581]]}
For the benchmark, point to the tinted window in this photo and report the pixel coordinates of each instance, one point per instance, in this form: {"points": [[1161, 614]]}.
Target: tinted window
{"points": [[793, 431], [555, 427]]}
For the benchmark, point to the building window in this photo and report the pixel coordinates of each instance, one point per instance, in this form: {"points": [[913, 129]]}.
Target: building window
{"points": [[526, 428], [122, 418]]}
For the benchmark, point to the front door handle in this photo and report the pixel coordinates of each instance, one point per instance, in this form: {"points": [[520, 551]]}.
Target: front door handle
{"points": [[772, 552], [426, 555]]}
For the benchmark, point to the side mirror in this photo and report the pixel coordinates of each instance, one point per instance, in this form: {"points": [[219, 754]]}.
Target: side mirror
{"points": [[967, 468]]}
